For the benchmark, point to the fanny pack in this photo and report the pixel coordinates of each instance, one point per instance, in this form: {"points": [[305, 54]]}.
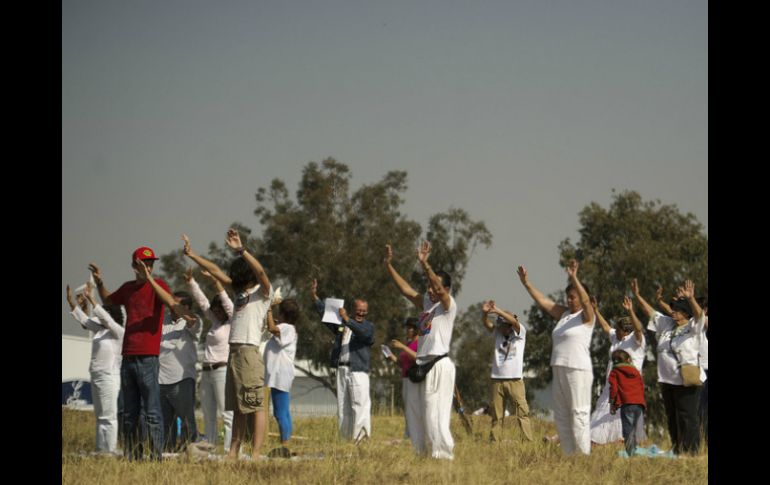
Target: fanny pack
{"points": [[417, 372]]}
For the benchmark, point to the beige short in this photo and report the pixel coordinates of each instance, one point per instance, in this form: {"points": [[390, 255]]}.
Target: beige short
{"points": [[245, 380]]}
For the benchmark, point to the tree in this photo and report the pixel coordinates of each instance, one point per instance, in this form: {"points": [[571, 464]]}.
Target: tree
{"points": [[339, 238], [649, 241]]}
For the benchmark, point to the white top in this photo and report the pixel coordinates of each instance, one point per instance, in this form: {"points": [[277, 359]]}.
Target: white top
{"points": [[106, 340], [279, 358], [635, 349], [436, 325], [572, 341], [248, 325], [686, 342], [217, 347], [508, 361], [347, 334], [178, 349]]}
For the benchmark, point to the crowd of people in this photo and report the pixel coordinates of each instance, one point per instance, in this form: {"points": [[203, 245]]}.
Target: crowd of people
{"points": [[143, 361]]}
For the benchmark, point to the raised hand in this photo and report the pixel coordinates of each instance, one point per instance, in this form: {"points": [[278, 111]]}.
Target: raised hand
{"points": [[143, 269], [188, 275], [69, 297], [95, 272], [627, 304], [314, 289], [343, 314], [689, 289], [486, 306], [187, 248], [522, 272], [233, 240], [572, 268], [635, 286], [208, 275], [388, 254], [594, 303], [423, 252], [659, 293], [679, 293], [397, 344]]}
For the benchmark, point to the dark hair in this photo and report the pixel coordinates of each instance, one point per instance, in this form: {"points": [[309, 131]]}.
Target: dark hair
{"points": [[289, 310], [412, 322], [620, 356], [242, 275], [446, 278], [215, 303], [185, 297], [625, 324], [571, 286], [115, 312], [681, 305]]}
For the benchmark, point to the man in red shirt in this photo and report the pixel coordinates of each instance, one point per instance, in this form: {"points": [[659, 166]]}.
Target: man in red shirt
{"points": [[144, 302]]}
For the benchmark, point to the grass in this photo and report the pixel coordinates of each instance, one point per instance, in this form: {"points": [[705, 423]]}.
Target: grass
{"points": [[327, 460]]}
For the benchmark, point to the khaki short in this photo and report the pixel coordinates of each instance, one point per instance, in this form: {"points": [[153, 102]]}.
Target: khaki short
{"points": [[245, 380]]}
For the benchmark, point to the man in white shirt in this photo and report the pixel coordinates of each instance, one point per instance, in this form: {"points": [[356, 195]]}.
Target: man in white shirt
{"points": [[436, 392], [507, 369]]}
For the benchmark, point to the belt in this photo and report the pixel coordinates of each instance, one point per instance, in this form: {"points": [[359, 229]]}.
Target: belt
{"points": [[344, 364], [213, 366]]}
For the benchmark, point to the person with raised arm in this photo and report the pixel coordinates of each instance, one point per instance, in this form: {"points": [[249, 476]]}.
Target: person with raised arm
{"points": [[104, 368], [351, 355], [570, 359], [628, 336], [214, 368], [679, 340], [245, 379], [436, 323], [507, 369], [406, 359]]}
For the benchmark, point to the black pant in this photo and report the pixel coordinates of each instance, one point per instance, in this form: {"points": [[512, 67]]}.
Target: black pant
{"points": [[681, 405]]}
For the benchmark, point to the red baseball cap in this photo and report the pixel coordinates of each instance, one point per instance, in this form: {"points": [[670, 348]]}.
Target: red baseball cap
{"points": [[144, 253]]}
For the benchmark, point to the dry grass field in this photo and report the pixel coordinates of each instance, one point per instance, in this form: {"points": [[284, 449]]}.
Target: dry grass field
{"points": [[323, 459]]}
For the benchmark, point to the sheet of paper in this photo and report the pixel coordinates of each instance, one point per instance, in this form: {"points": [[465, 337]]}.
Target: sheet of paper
{"points": [[332, 311]]}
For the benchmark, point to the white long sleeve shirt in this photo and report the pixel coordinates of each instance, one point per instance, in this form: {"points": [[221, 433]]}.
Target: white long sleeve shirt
{"points": [[217, 347], [106, 339]]}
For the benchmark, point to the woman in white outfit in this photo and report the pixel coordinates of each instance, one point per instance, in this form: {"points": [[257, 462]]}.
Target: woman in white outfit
{"points": [[628, 335], [570, 360], [106, 345], [214, 369]]}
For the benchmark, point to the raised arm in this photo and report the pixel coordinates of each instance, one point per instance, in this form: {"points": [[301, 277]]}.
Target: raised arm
{"points": [[661, 302], [234, 241], [363, 330], [689, 293], [271, 326], [585, 302], [599, 317], [646, 308], [403, 348], [512, 319], [434, 281], [638, 332], [104, 293], [204, 263], [197, 294], [164, 295], [107, 321], [546, 304], [486, 307], [400, 282]]}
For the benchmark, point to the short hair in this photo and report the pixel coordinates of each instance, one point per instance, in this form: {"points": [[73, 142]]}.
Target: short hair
{"points": [[185, 297], [446, 278], [620, 356], [625, 324], [412, 322], [572, 286], [289, 310], [682, 305], [242, 275]]}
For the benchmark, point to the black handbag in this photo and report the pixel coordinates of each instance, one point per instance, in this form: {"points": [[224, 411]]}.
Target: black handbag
{"points": [[417, 372]]}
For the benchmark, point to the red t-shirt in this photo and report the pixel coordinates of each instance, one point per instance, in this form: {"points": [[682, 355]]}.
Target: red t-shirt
{"points": [[144, 316], [405, 360]]}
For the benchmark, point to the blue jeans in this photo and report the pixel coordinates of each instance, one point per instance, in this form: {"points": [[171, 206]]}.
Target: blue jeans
{"points": [[629, 415], [141, 392], [281, 412], [178, 400]]}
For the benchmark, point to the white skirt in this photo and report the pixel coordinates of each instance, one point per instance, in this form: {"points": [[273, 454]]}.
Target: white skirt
{"points": [[607, 428]]}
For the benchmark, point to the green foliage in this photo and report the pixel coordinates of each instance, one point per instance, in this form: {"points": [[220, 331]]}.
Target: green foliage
{"points": [[339, 238], [649, 241]]}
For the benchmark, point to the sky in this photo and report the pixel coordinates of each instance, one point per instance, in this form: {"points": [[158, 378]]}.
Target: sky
{"points": [[522, 113]]}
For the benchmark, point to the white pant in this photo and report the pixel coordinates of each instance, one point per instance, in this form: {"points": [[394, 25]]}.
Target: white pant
{"points": [[435, 395], [353, 403], [411, 394], [213, 405], [105, 387], [572, 408]]}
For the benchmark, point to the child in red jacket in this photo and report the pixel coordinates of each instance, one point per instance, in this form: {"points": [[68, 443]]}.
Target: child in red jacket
{"points": [[626, 393]]}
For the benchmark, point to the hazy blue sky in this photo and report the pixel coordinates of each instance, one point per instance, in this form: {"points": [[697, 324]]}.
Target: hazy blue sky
{"points": [[520, 112]]}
